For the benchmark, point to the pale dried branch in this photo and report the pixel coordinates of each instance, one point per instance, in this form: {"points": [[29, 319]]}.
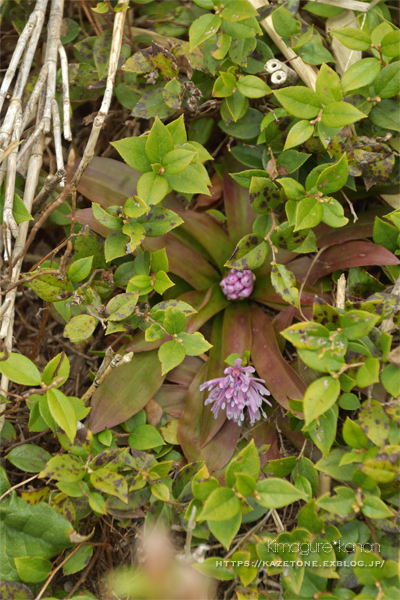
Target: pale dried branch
{"points": [[105, 105], [306, 72]]}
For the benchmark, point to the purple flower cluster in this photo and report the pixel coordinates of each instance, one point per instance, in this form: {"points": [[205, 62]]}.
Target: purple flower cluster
{"points": [[235, 391], [238, 284]]}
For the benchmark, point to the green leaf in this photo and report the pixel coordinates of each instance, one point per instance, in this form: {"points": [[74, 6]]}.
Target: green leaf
{"points": [[159, 142], [360, 74], [145, 437], [122, 306], [203, 28], [20, 369], [115, 245], [194, 343], [20, 212], [276, 493], [333, 213], [177, 160], [353, 38], [29, 458], [299, 133], [247, 461], [223, 45], [39, 530], [159, 261], [368, 373], [387, 84], [381, 471], [247, 127], [309, 213], [172, 94], [284, 23], [78, 561], [374, 422], [174, 321], [334, 177], [237, 105], [385, 115], [59, 365], [135, 207], [33, 570], [133, 151], [79, 328], [323, 433], [188, 181], [284, 283], [208, 567], [340, 114], [225, 531], [152, 188], [328, 87], [152, 104], [390, 45], [171, 354], [247, 28], [105, 218], [357, 323], [375, 508], [391, 380], [293, 189], [80, 269], [237, 10], [63, 412], [252, 86], [65, 468], [162, 282], [298, 101], [224, 85], [221, 505], [250, 253], [353, 435], [110, 482], [263, 195], [319, 397], [342, 504]]}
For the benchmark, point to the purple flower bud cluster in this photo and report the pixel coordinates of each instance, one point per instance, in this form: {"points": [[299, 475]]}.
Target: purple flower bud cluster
{"points": [[236, 391], [238, 284]]}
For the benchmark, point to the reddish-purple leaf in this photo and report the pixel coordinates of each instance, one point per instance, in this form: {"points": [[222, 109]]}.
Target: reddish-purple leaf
{"points": [[209, 233], [206, 304], [184, 373], [361, 229], [108, 182], [215, 367], [219, 451], [236, 333], [350, 254], [172, 398], [266, 433], [281, 380], [238, 209], [126, 391], [283, 320], [184, 262]]}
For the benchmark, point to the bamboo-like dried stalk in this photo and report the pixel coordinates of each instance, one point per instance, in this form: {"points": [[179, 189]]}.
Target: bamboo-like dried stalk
{"points": [[14, 122], [350, 4], [16, 101], [307, 73], [65, 87], [105, 105]]}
